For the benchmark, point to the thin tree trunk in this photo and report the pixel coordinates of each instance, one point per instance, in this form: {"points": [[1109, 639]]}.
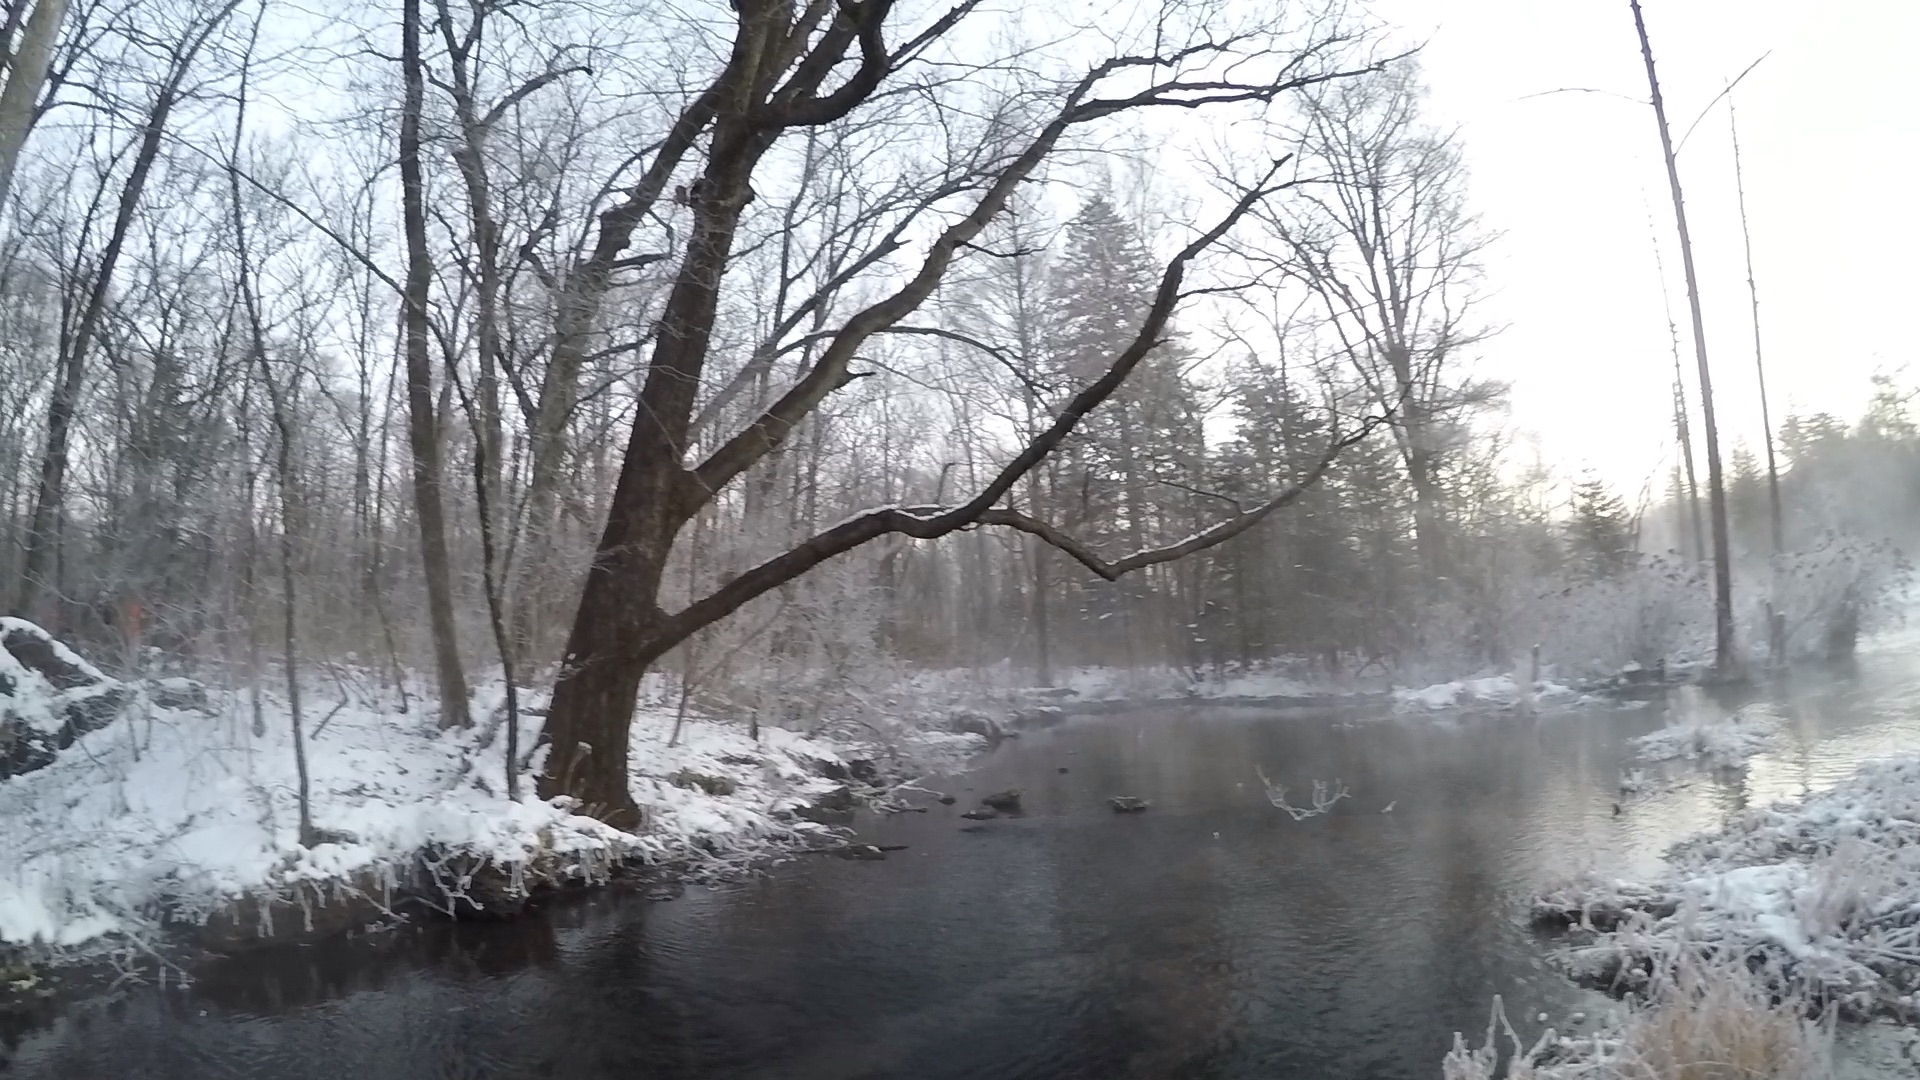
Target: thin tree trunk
{"points": [[283, 470], [1682, 429], [1759, 364], [423, 427], [26, 74], [1725, 661]]}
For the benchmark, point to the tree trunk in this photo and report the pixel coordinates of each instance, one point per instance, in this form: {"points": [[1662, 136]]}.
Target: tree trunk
{"points": [[1759, 364], [1725, 661], [615, 631], [423, 435], [26, 74]]}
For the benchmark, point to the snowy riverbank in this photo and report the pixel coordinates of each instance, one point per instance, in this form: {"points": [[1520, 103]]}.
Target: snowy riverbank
{"points": [[1282, 683], [185, 817], [1825, 893]]}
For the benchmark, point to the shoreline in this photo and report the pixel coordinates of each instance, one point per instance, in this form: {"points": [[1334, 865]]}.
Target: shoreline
{"points": [[718, 804]]}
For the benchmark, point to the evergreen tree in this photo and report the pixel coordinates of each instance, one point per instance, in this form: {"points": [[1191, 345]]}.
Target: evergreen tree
{"points": [[1129, 475], [1600, 530]]}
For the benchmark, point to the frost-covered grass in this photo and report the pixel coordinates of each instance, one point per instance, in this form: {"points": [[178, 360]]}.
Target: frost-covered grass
{"points": [[179, 811], [1825, 893], [1704, 1021], [1698, 731]]}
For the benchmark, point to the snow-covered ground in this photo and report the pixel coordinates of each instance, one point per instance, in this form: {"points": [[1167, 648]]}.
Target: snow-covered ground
{"points": [[1824, 891], [177, 811]]}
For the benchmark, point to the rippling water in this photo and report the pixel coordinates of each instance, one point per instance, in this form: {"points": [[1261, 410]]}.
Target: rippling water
{"points": [[1211, 936]]}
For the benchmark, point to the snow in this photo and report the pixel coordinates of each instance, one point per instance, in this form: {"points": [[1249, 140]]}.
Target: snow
{"points": [[1288, 679], [1698, 730], [1499, 691], [173, 813], [33, 699], [1827, 889]]}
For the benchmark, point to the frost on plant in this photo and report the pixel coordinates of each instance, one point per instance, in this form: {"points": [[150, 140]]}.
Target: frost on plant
{"points": [[1323, 798]]}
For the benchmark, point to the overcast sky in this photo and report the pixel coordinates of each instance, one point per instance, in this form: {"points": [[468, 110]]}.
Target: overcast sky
{"points": [[1828, 132]]}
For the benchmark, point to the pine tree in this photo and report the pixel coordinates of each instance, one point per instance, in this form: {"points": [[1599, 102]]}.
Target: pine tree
{"points": [[1127, 476], [1600, 531]]}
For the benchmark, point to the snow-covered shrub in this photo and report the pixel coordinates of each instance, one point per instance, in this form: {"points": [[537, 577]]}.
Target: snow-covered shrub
{"points": [[1699, 730], [1660, 609], [1834, 591]]}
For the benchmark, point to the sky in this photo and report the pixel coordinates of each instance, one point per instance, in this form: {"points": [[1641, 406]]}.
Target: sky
{"points": [[1574, 184]]}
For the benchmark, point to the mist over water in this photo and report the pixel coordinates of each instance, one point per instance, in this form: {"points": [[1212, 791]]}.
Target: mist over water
{"points": [[1212, 936]]}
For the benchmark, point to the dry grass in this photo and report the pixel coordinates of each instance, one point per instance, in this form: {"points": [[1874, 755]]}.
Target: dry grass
{"points": [[1722, 1023], [1717, 1022]]}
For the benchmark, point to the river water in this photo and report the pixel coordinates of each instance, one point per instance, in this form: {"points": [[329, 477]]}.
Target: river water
{"points": [[1211, 936]]}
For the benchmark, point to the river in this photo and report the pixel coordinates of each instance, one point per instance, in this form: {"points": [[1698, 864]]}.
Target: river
{"points": [[1210, 937]]}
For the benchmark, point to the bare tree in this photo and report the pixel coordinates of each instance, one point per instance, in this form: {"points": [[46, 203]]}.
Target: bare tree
{"points": [[49, 502], [423, 427], [775, 80], [1383, 240], [1724, 658], [1759, 363]]}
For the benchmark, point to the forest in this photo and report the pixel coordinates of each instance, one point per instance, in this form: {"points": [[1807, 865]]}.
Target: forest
{"points": [[353, 375], [518, 362]]}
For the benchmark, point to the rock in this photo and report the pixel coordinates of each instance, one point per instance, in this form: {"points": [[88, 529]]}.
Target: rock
{"points": [[85, 699], [947, 800], [861, 853], [1004, 801], [712, 785], [982, 814], [1127, 804], [743, 760], [37, 651], [833, 808], [661, 893], [178, 693], [972, 723], [840, 798], [864, 771], [1039, 716]]}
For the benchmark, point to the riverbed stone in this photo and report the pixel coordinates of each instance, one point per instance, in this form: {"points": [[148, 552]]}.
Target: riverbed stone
{"points": [[707, 782], [1006, 801]]}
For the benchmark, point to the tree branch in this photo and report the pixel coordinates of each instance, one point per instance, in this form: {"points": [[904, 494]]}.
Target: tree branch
{"points": [[933, 522]]}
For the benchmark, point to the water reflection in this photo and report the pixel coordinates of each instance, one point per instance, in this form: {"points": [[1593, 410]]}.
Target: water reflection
{"points": [[1212, 936]]}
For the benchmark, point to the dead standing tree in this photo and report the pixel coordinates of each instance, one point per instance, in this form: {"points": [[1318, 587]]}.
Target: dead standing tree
{"points": [[775, 80], [1724, 657]]}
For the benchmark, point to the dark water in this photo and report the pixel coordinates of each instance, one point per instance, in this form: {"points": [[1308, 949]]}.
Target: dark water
{"points": [[1210, 937]]}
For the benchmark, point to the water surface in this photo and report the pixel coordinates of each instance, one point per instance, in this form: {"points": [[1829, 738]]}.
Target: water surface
{"points": [[1210, 937]]}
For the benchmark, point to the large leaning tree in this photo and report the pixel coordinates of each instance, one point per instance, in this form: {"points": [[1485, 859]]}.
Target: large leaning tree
{"points": [[970, 124]]}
